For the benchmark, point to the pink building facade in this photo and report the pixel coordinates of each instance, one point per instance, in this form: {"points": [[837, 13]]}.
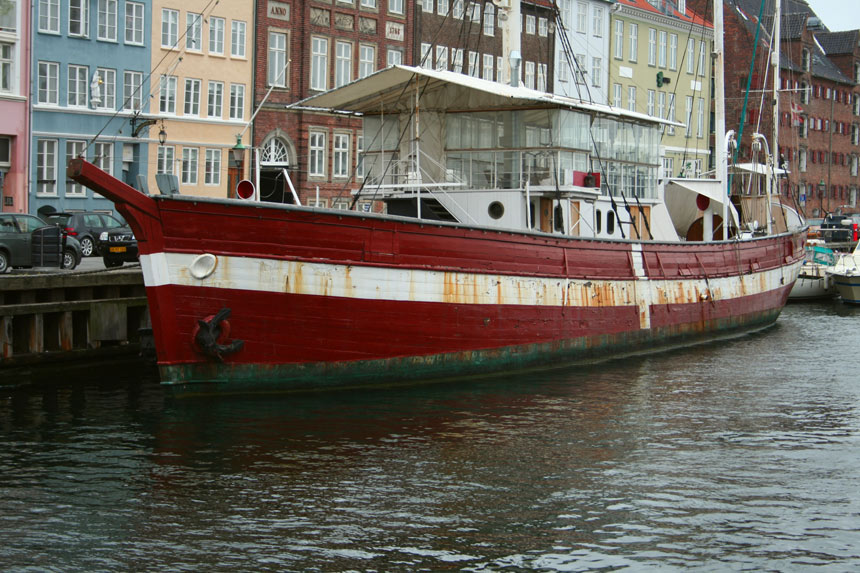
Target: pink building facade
{"points": [[14, 116]]}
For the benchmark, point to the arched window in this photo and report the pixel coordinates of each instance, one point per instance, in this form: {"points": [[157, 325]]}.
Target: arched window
{"points": [[274, 151]]}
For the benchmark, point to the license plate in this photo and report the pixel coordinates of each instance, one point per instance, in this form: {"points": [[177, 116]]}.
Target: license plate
{"points": [[117, 249]]}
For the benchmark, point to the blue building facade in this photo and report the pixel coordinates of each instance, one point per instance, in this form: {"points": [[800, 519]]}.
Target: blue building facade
{"points": [[90, 90]]}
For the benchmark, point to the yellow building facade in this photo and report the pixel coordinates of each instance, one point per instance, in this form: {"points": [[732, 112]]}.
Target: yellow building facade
{"points": [[661, 65], [202, 84]]}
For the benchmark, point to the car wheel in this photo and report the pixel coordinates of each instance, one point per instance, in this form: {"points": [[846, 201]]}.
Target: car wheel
{"points": [[86, 246], [112, 263], [70, 261], [4, 262]]}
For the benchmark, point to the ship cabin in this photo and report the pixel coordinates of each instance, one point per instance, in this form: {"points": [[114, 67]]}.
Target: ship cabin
{"points": [[444, 146]]}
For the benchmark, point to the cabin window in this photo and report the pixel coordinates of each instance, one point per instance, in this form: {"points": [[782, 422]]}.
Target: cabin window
{"points": [[610, 223], [558, 219], [598, 222], [496, 210]]}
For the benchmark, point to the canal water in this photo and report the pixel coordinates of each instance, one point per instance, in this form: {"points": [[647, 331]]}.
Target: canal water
{"points": [[736, 455]]}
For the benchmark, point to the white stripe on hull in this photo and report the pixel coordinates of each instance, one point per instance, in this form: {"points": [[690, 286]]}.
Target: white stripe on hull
{"points": [[399, 284]]}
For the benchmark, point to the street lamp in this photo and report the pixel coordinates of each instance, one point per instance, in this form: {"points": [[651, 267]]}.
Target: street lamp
{"points": [[237, 167], [162, 135]]}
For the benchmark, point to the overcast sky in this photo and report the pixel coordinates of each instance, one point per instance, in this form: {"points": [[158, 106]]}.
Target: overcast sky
{"points": [[838, 15]]}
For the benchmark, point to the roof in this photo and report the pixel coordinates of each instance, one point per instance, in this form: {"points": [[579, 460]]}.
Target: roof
{"points": [[667, 8], [839, 42], [391, 90]]}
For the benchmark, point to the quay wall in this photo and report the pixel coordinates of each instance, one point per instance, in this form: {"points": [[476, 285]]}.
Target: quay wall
{"points": [[60, 316]]}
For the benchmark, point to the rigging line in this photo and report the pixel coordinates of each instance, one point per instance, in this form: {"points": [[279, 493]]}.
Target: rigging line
{"points": [[353, 175], [696, 72], [407, 126], [746, 96], [170, 52]]}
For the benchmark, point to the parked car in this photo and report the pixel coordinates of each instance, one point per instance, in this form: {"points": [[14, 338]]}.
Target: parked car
{"points": [[118, 246], [86, 227], [28, 241], [840, 228]]}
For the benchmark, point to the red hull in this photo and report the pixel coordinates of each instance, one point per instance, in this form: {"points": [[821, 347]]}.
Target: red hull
{"points": [[322, 298]]}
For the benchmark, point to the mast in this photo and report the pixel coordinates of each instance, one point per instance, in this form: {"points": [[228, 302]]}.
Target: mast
{"points": [[774, 150], [722, 165]]}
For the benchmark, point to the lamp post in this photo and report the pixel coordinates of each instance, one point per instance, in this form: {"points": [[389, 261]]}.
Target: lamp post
{"points": [[822, 189], [237, 166]]}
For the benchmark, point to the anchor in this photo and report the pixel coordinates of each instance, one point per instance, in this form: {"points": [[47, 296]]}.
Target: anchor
{"points": [[210, 330]]}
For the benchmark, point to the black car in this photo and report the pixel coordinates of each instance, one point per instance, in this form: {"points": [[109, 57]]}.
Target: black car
{"points": [[118, 246], [85, 226], [839, 228], [27, 241]]}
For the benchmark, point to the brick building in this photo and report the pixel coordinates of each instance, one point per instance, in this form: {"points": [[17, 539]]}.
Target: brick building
{"points": [[469, 38], [819, 100], [305, 47]]}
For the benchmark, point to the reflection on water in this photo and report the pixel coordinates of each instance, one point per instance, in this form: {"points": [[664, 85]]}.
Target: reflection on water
{"points": [[736, 455]]}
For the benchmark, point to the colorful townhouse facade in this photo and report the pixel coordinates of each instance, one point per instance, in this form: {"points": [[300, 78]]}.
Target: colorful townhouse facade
{"points": [[582, 49], [90, 70], [819, 101], [661, 66], [202, 76], [14, 92], [305, 47]]}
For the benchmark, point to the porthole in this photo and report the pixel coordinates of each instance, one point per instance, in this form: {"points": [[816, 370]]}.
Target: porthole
{"points": [[496, 210]]}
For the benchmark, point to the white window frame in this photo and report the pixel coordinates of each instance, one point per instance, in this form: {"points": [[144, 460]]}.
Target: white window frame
{"points": [[531, 24], [340, 155], [238, 38], [166, 159], [393, 57], [237, 101], [652, 46], [169, 28], [8, 79], [597, 22], [395, 7], [691, 56], [688, 132], [673, 52], [49, 76], [107, 78], [700, 118], [359, 157], [316, 153], [167, 94], [190, 165], [103, 156], [319, 63], [79, 18], [217, 30], [212, 166], [661, 48], [107, 28], [487, 71], [75, 148], [342, 63], [443, 7], [442, 58], [617, 95], [530, 75], [134, 23], [581, 17], [215, 99], [489, 19], [193, 87], [46, 167], [194, 32], [634, 42], [619, 39], [49, 16], [276, 74], [596, 71], [631, 98], [78, 85], [543, 26], [652, 100], [132, 87], [366, 60]]}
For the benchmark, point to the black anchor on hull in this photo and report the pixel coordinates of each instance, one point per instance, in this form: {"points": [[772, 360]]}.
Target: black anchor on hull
{"points": [[208, 333]]}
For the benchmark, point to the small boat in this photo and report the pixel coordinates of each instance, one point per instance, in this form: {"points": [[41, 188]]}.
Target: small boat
{"points": [[813, 282], [845, 274]]}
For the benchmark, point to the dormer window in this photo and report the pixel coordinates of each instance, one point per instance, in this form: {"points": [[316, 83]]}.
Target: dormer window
{"points": [[682, 6], [805, 60]]}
